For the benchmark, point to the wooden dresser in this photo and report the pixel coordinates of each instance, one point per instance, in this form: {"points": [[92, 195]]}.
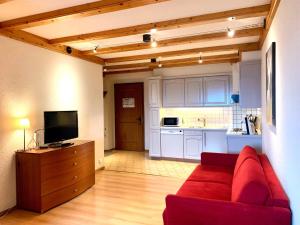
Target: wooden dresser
{"points": [[49, 177]]}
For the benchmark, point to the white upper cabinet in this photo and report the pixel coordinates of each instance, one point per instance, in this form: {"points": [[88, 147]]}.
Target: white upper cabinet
{"points": [[216, 90], [173, 93], [193, 92], [154, 93], [250, 84]]}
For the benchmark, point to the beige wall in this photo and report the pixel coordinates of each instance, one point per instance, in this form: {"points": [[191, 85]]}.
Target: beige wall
{"points": [[281, 143], [109, 81], [33, 80]]}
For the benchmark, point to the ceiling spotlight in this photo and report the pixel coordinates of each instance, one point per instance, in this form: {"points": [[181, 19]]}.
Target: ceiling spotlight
{"points": [[159, 58], [231, 18], [104, 70], [153, 30], [230, 32], [154, 43], [95, 49], [200, 61], [160, 65]]}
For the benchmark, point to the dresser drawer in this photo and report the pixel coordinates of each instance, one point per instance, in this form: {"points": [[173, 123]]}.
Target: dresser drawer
{"points": [[67, 153], [55, 198], [66, 179], [59, 168]]}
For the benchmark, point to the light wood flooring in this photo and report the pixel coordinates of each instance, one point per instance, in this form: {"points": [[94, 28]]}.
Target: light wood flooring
{"points": [[118, 198], [139, 162]]}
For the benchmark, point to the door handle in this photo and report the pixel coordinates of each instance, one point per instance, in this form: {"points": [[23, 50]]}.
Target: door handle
{"points": [[140, 119]]}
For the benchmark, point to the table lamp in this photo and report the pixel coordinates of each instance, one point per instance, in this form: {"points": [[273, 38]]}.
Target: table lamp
{"points": [[24, 123]]}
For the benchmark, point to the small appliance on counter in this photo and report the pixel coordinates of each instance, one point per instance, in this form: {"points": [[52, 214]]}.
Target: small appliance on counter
{"points": [[171, 122], [250, 125]]}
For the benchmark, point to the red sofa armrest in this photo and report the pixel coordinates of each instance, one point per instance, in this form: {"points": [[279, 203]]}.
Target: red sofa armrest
{"points": [[218, 159], [194, 211]]}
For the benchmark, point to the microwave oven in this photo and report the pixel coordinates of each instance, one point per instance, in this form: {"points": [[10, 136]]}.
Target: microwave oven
{"points": [[171, 122]]}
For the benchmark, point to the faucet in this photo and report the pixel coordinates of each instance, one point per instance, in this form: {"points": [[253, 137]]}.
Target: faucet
{"points": [[203, 120]]}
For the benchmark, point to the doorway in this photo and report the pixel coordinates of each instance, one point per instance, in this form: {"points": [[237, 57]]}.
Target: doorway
{"points": [[129, 116]]}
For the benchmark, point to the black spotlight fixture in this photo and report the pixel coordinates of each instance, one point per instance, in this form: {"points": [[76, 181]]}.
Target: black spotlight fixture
{"points": [[68, 49], [147, 38], [153, 60]]}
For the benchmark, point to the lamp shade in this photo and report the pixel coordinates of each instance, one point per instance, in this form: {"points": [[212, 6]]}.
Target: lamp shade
{"points": [[24, 123]]}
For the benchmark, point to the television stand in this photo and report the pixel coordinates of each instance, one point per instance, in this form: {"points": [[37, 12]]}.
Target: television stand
{"points": [[60, 144]]}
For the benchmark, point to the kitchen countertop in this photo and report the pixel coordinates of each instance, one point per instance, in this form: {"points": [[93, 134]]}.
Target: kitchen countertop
{"points": [[195, 128], [230, 133]]}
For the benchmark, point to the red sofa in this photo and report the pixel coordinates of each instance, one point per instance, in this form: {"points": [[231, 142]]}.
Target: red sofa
{"points": [[230, 189]]}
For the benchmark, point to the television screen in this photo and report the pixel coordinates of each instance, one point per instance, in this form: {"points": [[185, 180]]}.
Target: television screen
{"points": [[60, 126]]}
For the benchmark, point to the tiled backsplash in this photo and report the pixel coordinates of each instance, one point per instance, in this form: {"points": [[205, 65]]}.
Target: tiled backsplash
{"points": [[238, 114], [215, 117]]}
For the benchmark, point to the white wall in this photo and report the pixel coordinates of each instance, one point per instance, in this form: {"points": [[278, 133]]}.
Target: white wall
{"points": [[109, 81], [282, 144], [33, 80]]}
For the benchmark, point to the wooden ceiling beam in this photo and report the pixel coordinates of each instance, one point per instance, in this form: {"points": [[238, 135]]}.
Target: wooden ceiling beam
{"points": [[173, 61], [4, 1], [242, 13], [175, 64], [43, 43], [240, 47], [274, 6], [177, 41], [88, 9]]}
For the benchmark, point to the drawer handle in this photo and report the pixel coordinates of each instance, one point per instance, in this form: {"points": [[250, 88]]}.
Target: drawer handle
{"points": [[75, 177], [75, 190], [74, 163], [75, 152]]}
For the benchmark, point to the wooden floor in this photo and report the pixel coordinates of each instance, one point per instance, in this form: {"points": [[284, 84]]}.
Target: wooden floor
{"points": [[118, 198]]}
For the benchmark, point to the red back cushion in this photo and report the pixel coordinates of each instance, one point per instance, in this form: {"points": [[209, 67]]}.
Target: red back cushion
{"points": [[246, 153], [249, 184]]}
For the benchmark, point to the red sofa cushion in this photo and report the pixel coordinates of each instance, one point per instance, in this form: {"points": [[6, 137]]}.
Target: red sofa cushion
{"points": [[249, 184], [247, 153], [277, 195], [205, 190], [217, 174]]}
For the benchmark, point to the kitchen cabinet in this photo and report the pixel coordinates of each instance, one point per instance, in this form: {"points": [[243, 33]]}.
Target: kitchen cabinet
{"points": [[192, 144], [173, 93], [216, 90], [154, 92], [154, 114], [193, 92], [237, 142], [154, 150], [215, 141], [250, 84], [172, 143]]}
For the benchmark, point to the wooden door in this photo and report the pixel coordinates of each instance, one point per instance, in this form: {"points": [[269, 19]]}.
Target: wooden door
{"points": [[129, 116]]}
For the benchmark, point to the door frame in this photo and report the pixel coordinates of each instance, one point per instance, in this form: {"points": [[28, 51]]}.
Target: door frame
{"points": [[142, 113]]}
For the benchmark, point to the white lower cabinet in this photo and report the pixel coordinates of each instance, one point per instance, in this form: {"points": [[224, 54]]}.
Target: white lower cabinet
{"points": [[172, 143], [215, 141], [154, 150], [192, 146]]}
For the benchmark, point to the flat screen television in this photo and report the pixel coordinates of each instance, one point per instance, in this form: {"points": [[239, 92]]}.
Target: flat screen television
{"points": [[60, 126]]}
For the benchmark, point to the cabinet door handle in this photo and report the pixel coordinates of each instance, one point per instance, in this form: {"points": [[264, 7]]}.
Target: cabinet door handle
{"points": [[75, 152], [75, 177]]}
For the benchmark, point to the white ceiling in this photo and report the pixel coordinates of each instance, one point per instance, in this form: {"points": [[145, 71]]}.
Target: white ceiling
{"points": [[151, 13]]}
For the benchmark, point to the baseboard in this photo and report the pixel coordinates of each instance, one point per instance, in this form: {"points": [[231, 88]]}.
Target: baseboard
{"points": [[100, 168], [7, 211]]}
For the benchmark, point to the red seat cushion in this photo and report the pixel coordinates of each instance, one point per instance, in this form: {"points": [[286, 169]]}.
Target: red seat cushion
{"points": [[249, 184], [246, 153], [217, 174], [205, 190]]}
